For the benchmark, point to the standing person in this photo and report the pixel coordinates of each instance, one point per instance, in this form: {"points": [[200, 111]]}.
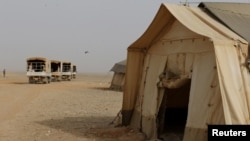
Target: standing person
{"points": [[4, 72]]}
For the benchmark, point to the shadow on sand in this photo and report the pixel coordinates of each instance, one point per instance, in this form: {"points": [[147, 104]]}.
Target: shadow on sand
{"points": [[98, 128], [107, 89], [21, 83], [76, 125]]}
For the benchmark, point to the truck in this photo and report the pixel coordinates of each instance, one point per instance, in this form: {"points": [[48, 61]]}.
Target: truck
{"points": [[38, 70], [56, 71], [66, 71]]}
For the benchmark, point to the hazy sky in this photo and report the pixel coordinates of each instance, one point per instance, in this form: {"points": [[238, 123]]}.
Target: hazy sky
{"points": [[64, 29]]}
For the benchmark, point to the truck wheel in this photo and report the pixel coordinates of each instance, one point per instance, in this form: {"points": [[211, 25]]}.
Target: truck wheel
{"points": [[49, 79]]}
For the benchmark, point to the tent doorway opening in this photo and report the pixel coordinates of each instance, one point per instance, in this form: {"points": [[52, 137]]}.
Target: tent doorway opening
{"points": [[172, 115]]}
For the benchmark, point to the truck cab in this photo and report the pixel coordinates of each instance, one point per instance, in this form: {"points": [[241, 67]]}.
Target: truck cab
{"points": [[66, 71], [56, 71], [38, 70]]}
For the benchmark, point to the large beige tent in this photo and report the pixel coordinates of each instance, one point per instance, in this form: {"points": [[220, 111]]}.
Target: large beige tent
{"points": [[188, 67]]}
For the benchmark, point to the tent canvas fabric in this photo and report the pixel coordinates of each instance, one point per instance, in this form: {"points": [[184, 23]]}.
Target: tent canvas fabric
{"points": [[118, 78], [188, 43]]}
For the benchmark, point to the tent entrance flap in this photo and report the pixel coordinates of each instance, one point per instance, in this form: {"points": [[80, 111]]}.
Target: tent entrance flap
{"points": [[172, 115]]}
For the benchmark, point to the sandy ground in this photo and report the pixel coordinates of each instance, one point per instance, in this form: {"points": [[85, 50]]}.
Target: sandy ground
{"points": [[77, 110]]}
